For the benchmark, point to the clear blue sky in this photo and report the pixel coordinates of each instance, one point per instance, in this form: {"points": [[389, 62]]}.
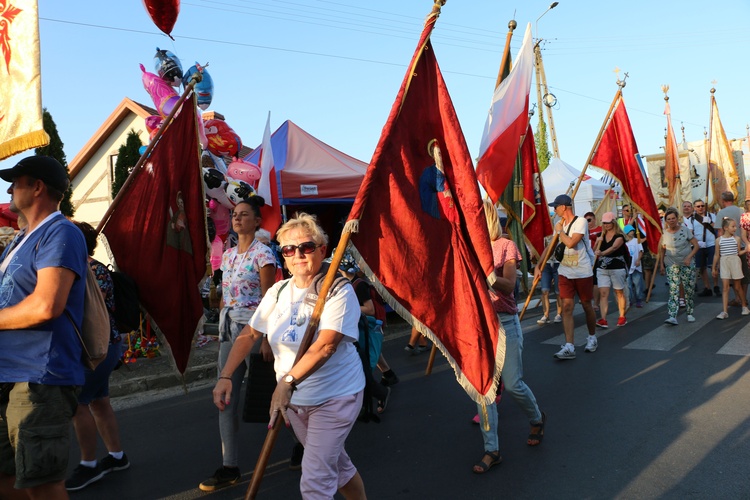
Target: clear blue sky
{"points": [[334, 66]]}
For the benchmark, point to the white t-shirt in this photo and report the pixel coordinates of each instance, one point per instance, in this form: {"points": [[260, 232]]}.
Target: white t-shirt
{"points": [[578, 261], [634, 248], [285, 321]]}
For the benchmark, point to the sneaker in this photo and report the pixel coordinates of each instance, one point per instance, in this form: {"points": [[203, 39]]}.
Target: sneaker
{"points": [[543, 320], [682, 303], [722, 315], [389, 379], [558, 319], [295, 462], [706, 293], [566, 353], [639, 304], [591, 344], [690, 318], [745, 311], [83, 476], [223, 477], [410, 349], [717, 291], [110, 463], [622, 321], [602, 323], [671, 321], [422, 348]]}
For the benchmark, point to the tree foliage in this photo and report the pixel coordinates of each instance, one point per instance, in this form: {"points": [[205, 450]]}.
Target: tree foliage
{"points": [[127, 157], [55, 150], [542, 149]]}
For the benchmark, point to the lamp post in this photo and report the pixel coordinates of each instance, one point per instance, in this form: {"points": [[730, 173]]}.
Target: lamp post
{"points": [[536, 24]]}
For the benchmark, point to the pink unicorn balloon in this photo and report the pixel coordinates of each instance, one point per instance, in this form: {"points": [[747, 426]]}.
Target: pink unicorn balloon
{"points": [[161, 92]]}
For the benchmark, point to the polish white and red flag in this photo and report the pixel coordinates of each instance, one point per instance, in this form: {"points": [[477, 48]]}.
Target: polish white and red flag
{"points": [[506, 123]]}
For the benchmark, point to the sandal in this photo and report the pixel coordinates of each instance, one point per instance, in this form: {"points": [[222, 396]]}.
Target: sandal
{"points": [[481, 467], [383, 403], [537, 432]]}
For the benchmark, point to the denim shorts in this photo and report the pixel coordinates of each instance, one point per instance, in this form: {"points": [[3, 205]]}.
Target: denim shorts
{"points": [[549, 275], [35, 431]]}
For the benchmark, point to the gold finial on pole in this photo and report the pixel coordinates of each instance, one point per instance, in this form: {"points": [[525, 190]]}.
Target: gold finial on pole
{"points": [[436, 8], [665, 89], [620, 83]]}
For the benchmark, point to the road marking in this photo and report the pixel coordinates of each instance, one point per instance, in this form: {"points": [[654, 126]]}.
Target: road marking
{"points": [[739, 345], [665, 337], [581, 333]]}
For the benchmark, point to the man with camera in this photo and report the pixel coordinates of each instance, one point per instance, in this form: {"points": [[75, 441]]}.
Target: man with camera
{"points": [[702, 225]]}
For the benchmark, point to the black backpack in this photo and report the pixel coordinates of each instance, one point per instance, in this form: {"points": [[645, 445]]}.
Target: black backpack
{"points": [[127, 312]]}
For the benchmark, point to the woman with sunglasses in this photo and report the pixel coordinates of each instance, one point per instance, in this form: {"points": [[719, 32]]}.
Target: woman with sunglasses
{"points": [[612, 269], [248, 271], [676, 250], [321, 395]]}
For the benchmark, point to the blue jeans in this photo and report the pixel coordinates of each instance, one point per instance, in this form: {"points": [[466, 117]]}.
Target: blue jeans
{"points": [[513, 380], [635, 283]]}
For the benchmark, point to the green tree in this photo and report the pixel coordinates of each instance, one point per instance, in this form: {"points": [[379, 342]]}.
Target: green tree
{"points": [[127, 157], [542, 149], [55, 150]]}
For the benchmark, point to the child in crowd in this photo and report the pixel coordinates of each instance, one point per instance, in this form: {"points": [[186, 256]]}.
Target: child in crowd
{"points": [[727, 259], [635, 273]]}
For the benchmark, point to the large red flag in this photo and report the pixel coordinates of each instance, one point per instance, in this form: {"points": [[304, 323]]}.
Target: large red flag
{"points": [[506, 123], [616, 154], [157, 234], [422, 229], [536, 220]]}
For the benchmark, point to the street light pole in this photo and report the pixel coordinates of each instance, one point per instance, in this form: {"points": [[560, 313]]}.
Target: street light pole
{"points": [[536, 24]]}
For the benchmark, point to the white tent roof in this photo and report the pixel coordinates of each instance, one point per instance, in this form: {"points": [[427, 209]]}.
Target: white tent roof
{"points": [[559, 177]]}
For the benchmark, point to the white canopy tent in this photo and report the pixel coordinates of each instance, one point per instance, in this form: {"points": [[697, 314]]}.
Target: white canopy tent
{"points": [[560, 178]]}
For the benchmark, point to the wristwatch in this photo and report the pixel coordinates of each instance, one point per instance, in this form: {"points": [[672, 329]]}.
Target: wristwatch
{"points": [[289, 379]]}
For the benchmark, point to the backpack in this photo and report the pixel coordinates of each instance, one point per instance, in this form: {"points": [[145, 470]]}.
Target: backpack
{"points": [[95, 327], [377, 300], [127, 312]]}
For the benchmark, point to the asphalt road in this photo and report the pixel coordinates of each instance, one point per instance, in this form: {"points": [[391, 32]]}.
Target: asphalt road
{"points": [[658, 412]]}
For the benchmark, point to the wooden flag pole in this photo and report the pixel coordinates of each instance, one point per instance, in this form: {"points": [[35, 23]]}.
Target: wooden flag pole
{"points": [[196, 78], [653, 275], [307, 340], [431, 361], [556, 236]]}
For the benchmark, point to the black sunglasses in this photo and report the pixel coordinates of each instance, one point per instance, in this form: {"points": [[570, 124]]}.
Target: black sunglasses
{"points": [[307, 247], [589, 220]]}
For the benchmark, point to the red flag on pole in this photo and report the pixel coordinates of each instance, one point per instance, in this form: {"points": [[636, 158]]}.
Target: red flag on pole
{"points": [[672, 163], [157, 234], [422, 229], [616, 154], [536, 220]]}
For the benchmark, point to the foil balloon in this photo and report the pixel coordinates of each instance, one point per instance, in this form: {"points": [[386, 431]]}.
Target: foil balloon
{"points": [[161, 93], [216, 186], [221, 217], [163, 13], [244, 171], [222, 140], [204, 89], [168, 66], [153, 123], [210, 160], [217, 249], [238, 191]]}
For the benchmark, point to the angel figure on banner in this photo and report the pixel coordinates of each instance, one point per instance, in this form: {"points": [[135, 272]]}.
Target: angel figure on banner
{"points": [[177, 234], [434, 191]]}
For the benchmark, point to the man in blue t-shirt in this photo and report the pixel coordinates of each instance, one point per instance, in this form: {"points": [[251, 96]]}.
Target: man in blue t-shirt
{"points": [[42, 285]]}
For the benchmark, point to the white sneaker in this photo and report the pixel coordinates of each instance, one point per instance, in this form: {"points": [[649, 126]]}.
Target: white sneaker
{"points": [[542, 321], [745, 311], [690, 318], [566, 353], [591, 344], [670, 320], [558, 319], [722, 315]]}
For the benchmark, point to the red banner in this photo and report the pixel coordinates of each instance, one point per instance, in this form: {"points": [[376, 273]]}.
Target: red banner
{"points": [[617, 155], [422, 229], [157, 234], [536, 220]]}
